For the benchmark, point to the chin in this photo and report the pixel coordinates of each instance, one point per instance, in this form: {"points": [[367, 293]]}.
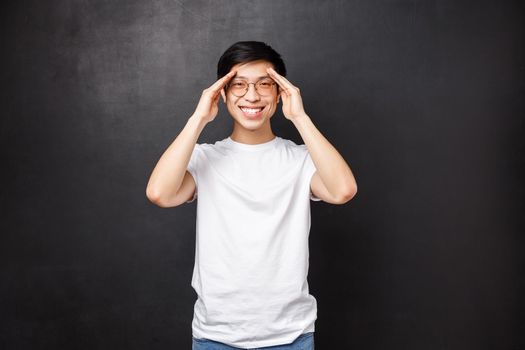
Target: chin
{"points": [[251, 124]]}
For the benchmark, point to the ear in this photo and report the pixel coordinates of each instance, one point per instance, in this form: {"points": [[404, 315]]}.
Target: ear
{"points": [[223, 95]]}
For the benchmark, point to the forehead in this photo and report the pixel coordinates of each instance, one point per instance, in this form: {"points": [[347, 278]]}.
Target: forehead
{"points": [[252, 70]]}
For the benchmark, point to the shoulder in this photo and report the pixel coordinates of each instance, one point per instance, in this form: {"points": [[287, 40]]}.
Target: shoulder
{"points": [[212, 151], [211, 147], [294, 148]]}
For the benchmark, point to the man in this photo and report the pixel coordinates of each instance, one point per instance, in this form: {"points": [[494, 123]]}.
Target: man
{"points": [[253, 193]]}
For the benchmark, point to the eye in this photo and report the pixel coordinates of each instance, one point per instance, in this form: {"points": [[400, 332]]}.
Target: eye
{"points": [[237, 84]]}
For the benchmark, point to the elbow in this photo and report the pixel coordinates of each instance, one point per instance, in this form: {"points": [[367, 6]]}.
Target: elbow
{"points": [[161, 200], [348, 195], [154, 197]]}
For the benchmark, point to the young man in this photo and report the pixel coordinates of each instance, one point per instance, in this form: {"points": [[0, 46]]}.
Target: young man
{"points": [[253, 193]]}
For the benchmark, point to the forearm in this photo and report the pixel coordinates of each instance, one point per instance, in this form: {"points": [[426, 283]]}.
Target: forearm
{"points": [[331, 166], [167, 176]]}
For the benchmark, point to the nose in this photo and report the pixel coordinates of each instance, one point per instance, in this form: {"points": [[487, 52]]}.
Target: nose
{"points": [[251, 94]]}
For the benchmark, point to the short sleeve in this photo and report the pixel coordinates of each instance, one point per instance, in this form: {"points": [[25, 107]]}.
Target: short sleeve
{"points": [[193, 166], [310, 171]]}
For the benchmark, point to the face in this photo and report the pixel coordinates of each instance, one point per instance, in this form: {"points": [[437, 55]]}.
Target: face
{"points": [[237, 106]]}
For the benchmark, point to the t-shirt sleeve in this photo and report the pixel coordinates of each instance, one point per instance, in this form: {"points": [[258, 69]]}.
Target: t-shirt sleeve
{"points": [[309, 171], [193, 166]]}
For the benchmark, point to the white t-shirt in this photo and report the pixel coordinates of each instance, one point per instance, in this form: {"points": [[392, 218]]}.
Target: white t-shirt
{"points": [[251, 254]]}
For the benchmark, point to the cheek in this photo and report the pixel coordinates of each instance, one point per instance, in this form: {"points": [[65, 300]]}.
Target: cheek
{"points": [[273, 109], [231, 105]]}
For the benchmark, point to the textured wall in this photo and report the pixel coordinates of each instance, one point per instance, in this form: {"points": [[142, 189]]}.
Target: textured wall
{"points": [[422, 98]]}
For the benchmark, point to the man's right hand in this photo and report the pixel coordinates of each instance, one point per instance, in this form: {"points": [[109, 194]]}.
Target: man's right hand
{"points": [[208, 106]]}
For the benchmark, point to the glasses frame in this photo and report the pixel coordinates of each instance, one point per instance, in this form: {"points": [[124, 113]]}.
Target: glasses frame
{"points": [[254, 85]]}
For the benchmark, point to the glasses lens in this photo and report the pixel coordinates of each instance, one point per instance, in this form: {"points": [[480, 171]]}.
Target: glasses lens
{"points": [[264, 86], [239, 87]]}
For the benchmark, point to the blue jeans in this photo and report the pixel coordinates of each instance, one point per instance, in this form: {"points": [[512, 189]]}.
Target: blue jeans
{"points": [[303, 342]]}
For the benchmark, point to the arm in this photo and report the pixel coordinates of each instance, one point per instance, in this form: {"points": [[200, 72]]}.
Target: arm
{"points": [[170, 184], [333, 181], [170, 174]]}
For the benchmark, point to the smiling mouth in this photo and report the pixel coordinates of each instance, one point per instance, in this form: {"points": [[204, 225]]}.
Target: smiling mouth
{"points": [[250, 110], [251, 113]]}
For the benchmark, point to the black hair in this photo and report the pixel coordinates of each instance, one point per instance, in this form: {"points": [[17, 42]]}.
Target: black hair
{"points": [[247, 51]]}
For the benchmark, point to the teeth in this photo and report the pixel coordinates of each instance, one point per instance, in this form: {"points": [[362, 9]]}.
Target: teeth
{"points": [[251, 110]]}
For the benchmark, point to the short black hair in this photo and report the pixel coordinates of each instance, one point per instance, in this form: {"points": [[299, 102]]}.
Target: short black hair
{"points": [[247, 51]]}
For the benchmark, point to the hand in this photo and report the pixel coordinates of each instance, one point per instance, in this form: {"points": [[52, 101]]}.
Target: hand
{"points": [[290, 94], [208, 106]]}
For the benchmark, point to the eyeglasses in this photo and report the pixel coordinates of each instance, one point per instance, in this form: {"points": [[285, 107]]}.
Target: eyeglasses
{"points": [[240, 87]]}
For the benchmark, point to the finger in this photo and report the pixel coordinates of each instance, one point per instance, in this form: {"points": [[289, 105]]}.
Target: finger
{"points": [[282, 81], [216, 101], [219, 84], [283, 86], [275, 73]]}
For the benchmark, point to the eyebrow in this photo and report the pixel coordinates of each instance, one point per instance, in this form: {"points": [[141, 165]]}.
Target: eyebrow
{"points": [[240, 76]]}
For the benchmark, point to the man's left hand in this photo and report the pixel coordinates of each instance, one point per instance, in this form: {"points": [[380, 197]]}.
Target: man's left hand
{"points": [[290, 94]]}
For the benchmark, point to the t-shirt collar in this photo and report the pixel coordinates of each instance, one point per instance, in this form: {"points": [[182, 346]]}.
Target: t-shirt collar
{"points": [[247, 147]]}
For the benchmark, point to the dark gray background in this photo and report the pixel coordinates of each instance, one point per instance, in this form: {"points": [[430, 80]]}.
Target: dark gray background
{"points": [[424, 99]]}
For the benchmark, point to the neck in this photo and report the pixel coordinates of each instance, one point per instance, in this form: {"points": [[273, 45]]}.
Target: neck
{"points": [[252, 137]]}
